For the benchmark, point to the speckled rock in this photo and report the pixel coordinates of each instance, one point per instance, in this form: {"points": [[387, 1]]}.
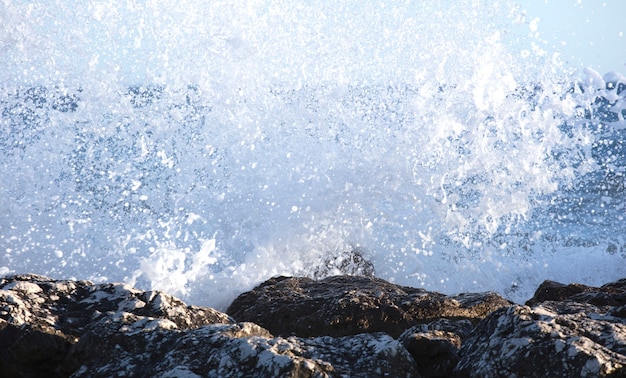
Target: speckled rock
{"points": [[128, 345], [71, 305], [41, 318], [348, 305], [569, 337], [60, 328]]}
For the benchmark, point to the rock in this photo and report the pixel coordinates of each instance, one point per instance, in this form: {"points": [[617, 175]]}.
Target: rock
{"points": [[611, 294], [565, 340], [60, 328], [40, 318], [349, 305], [128, 345], [459, 327], [71, 305], [31, 350], [435, 352], [434, 346], [565, 330], [554, 291]]}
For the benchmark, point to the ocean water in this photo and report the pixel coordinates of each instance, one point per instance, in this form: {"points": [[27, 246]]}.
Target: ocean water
{"points": [[203, 147]]}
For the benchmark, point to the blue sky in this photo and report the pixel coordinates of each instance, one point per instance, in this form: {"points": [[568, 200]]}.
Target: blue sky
{"points": [[586, 32]]}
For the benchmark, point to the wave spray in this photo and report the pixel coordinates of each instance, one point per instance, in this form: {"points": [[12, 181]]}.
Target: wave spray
{"points": [[202, 147]]}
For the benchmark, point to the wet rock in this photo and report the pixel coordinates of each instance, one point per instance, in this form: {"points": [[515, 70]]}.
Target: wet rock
{"points": [[71, 305], [565, 330], [349, 305], [65, 328], [565, 340], [556, 291], [128, 345], [41, 318]]}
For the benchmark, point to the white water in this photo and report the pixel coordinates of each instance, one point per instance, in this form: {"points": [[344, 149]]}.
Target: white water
{"points": [[201, 148]]}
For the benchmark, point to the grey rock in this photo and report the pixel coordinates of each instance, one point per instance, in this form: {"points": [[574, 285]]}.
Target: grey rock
{"points": [[460, 327], [564, 331], [41, 318], [565, 340], [69, 306], [59, 328], [128, 345]]}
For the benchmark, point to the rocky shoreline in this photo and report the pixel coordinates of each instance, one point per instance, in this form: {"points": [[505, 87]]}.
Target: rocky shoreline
{"points": [[341, 326]]}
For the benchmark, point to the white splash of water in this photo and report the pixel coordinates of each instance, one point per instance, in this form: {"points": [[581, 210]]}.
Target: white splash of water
{"points": [[202, 147]]}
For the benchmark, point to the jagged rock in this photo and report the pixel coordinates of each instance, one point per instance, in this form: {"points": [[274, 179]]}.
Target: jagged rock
{"points": [[568, 340], [565, 330], [128, 345], [40, 318], [348, 305], [56, 328], [70, 305]]}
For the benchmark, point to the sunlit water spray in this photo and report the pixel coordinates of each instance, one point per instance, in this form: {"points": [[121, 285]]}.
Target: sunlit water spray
{"points": [[202, 148]]}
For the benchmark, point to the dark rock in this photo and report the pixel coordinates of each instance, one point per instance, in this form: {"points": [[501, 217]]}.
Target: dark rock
{"points": [[40, 318], [554, 291], [435, 352], [31, 350], [129, 345], [348, 305], [54, 328], [619, 312], [71, 305], [613, 294], [569, 340], [434, 346]]}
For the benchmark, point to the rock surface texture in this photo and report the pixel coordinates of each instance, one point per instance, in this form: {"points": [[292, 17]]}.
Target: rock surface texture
{"points": [[41, 318], [348, 305], [297, 327], [570, 331], [122, 346]]}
